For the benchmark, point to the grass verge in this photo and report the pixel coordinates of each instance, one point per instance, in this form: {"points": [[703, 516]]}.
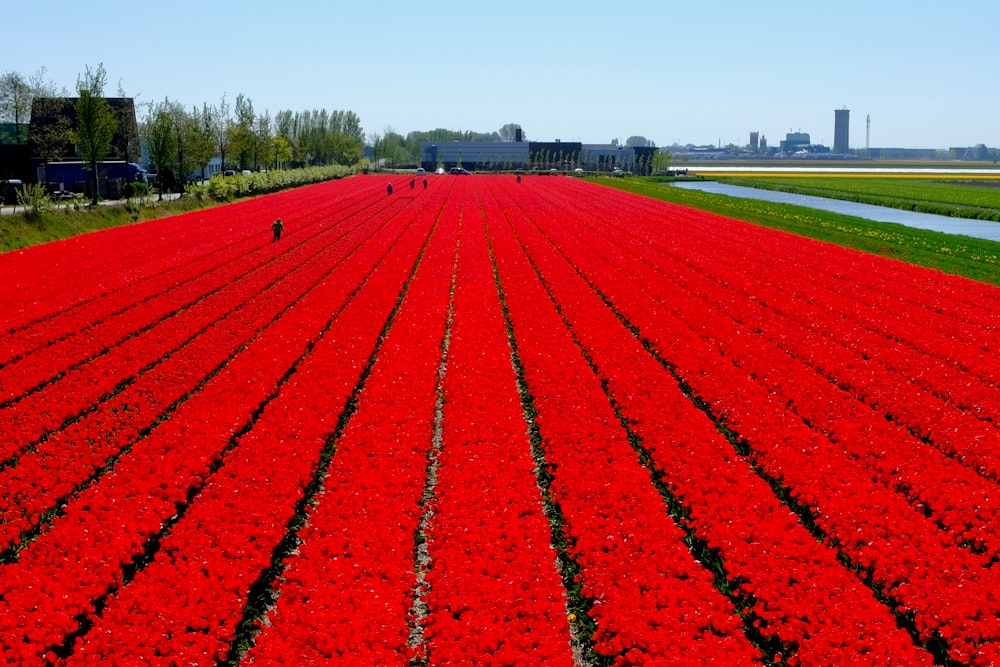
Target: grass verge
{"points": [[23, 230]]}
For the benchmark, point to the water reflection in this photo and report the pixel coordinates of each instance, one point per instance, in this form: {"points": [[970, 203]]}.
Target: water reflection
{"points": [[980, 229]]}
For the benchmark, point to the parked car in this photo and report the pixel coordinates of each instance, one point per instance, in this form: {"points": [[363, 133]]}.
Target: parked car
{"points": [[420, 171], [617, 172], [460, 171], [8, 190], [439, 170], [229, 172]]}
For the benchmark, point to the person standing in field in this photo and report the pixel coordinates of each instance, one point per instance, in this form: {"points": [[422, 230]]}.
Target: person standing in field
{"points": [[276, 227], [388, 189]]}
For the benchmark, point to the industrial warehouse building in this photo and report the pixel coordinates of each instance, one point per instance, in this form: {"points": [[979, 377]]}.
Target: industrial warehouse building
{"points": [[537, 155]]}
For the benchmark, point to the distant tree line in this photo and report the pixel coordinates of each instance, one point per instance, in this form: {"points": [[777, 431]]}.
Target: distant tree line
{"points": [[181, 141]]}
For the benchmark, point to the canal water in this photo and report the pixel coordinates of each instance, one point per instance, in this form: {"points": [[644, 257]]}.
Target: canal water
{"points": [[980, 229]]}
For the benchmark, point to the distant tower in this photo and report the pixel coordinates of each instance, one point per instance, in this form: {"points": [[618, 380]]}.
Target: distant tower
{"points": [[755, 141], [841, 129]]}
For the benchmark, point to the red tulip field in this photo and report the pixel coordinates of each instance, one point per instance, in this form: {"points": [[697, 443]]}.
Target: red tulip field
{"points": [[491, 422]]}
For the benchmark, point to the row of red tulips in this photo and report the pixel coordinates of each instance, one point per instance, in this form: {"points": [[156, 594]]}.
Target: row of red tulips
{"points": [[76, 335], [907, 555], [184, 607], [233, 389], [777, 568], [347, 592], [73, 390], [503, 604], [949, 489], [45, 283], [923, 382], [107, 526], [53, 468], [653, 603]]}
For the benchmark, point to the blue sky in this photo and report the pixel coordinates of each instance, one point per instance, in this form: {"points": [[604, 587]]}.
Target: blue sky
{"points": [[696, 72]]}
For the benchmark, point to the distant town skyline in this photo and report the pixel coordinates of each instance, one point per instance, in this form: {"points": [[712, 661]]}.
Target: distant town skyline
{"points": [[698, 73]]}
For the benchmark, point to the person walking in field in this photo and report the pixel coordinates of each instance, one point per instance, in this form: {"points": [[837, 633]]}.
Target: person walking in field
{"points": [[413, 183], [388, 189], [276, 227]]}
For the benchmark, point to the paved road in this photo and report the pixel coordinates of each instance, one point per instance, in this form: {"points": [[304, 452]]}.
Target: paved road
{"points": [[10, 210]]}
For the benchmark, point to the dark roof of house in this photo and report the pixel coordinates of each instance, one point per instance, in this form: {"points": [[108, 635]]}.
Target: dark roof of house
{"points": [[49, 111]]}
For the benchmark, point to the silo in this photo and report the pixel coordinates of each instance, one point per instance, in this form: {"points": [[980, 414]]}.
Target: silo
{"points": [[841, 130]]}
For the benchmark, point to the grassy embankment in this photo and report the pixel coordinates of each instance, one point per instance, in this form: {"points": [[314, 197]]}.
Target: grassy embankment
{"points": [[21, 230], [949, 253]]}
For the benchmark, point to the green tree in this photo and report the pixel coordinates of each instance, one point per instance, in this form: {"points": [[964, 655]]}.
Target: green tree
{"points": [[352, 128], [640, 141], [243, 138], [15, 103], [17, 95], [200, 146], [661, 162], [127, 146], [509, 132], [284, 129], [319, 136], [376, 141], [161, 140], [304, 137], [282, 151], [95, 122], [393, 148], [183, 127], [345, 149], [221, 129], [40, 87], [263, 141]]}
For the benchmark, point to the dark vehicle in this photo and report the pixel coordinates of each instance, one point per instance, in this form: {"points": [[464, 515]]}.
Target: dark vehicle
{"points": [[460, 171], [76, 171], [8, 191]]}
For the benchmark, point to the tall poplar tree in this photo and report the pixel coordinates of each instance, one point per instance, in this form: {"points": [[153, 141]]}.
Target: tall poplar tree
{"points": [[161, 140], [95, 122], [222, 128], [15, 103]]}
